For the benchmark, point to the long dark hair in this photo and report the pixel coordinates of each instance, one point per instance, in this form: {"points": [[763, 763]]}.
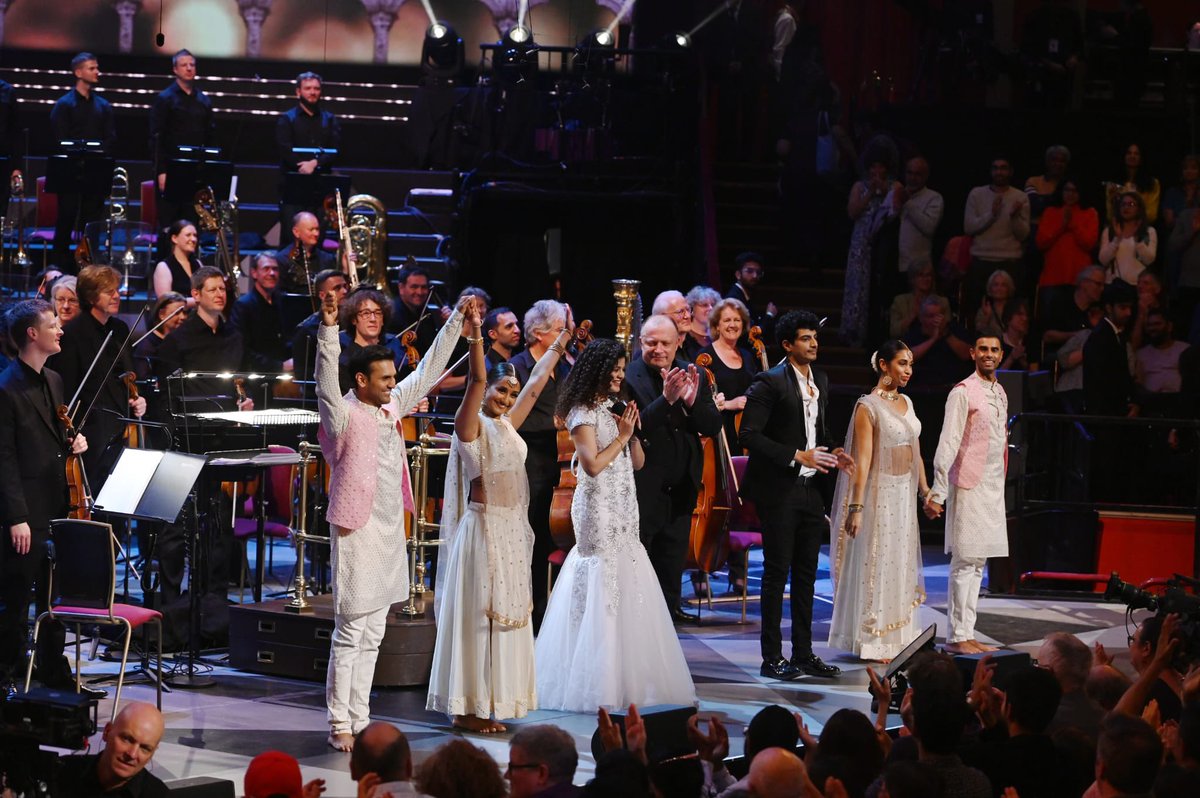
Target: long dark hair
{"points": [[1142, 178], [588, 380]]}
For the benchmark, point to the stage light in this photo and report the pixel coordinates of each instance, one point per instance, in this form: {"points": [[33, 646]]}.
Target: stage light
{"points": [[594, 53], [441, 52], [516, 60], [437, 31], [518, 35], [681, 40]]}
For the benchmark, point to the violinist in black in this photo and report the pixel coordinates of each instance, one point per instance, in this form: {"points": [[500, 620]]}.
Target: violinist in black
{"points": [[99, 289], [33, 490], [80, 114], [307, 125]]}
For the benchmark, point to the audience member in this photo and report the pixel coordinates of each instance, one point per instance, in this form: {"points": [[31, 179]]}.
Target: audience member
{"points": [[873, 202], [1015, 340], [1129, 242], [1149, 295], [1107, 380], [905, 307], [938, 718], [458, 769], [848, 737], [1066, 237], [772, 727], [1044, 189], [1186, 195], [1180, 777], [619, 772], [700, 304], [990, 316], [1158, 360], [997, 218], [1063, 315], [904, 779], [747, 274], [1160, 681], [1184, 266], [130, 741], [381, 762], [1105, 685], [938, 346], [1135, 178], [541, 762], [677, 777], [1068, 385], [1070, 660], [274, 774], [1128, 757], [777, 773], [921, 210]]}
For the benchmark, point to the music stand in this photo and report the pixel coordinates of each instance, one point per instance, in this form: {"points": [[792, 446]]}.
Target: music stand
{"points": [[310, 191], [193, 168], [80, 171]]}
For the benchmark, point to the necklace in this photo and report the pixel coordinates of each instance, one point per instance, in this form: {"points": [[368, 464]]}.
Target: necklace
{"points": [[891, 396]]}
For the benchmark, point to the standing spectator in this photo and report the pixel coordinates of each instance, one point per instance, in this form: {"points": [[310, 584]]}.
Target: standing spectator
{"points": [[999, 292], [1186, 195], [905, 307], [1107, 381], [1184, 249], [1135, 177], [997, 218], [1158, 360], [1129, 243], [920, 211], [873, 201], [1066, 237], [1063, 316], [1042, 189], [748, 273]]}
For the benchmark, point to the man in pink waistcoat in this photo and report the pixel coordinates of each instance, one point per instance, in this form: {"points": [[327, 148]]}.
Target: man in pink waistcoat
{"points": [[369, 492], [968, 480]]}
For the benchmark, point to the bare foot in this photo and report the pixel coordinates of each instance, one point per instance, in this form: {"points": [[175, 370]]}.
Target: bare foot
{"points": [[961, 647], [471, 723], [341, 741], [983, 648]]}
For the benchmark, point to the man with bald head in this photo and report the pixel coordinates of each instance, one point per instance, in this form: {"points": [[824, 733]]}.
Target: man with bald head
{"points": [[674, 306], [776, 773], [676, 407], [300, 262], [120, 768], [381, 761]]}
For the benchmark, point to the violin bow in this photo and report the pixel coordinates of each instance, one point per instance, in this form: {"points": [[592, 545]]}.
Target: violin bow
{"points": [[120, 349]]}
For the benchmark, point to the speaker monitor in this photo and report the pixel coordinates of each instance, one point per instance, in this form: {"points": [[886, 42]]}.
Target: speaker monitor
{"points": [[666, 730], [201, 787]]}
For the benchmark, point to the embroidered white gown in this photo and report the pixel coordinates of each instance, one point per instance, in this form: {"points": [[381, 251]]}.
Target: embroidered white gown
{"points": [[877, 579], [483, 657], [607, 638]]}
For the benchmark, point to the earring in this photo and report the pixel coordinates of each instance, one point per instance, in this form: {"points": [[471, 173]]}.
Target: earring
{"points": [[887, 380]]}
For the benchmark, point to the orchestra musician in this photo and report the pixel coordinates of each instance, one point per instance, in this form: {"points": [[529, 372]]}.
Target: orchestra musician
{"points": [[174, 272], [33, 490], [411, 306], [308, 125], [181, 114], [258, 316], [369, 492], [363, 316], [503, 332], [80, 114], [304, 258], [100, 295], [145, 354], [304, 342]]}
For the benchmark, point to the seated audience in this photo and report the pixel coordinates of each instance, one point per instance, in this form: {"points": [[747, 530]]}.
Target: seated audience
{"points": [[619, 772], [777, 773], [1063, 315], [1129, 242], [541, 762], [274, 774], [1105, 685], [905, 307], [1128, 757], [1158, 680], [1015, 339], [1066, 237], [458, 769], [130, 741], [772, 727], [381, 762], [938, 719], [999, 292], [1158, 360], [1186, 195], [848, 750], [1070, 660], [941, 353]]}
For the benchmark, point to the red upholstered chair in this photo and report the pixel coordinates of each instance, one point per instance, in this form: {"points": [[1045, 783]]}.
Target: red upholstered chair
{"points": [[149, 199], [45, 217], [745, 530], [277, 525], [555, 560], [85, 575]]}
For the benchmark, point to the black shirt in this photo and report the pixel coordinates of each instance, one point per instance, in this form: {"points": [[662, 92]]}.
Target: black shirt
{"points": [[78, 779], [304, 347], [295, 275], [940, 366], [194, 346], [733, 383], [540, 420], [178, 118], [296, 128], [261, 326], [77, 117], [404, 317]]}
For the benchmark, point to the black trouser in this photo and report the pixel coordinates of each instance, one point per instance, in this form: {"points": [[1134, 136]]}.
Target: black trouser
{"points": [[792, 531], [20, 573], [666, 523], [541, 466], [74, 211]]}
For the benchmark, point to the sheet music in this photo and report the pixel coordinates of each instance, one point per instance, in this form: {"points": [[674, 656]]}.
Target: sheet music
{"points": [[284, 416], [128, 481]]}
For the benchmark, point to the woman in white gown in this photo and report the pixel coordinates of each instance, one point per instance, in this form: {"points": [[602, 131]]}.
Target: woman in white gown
{"points": [[607, 639], [876, 544], [483, 657]]}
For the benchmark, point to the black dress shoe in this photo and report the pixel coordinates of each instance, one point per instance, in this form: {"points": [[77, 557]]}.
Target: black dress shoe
{"points": [[812, 665], [678, 615], [779, 669], [94, 693]]}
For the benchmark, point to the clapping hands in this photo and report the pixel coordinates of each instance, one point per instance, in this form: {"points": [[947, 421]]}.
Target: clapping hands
{"points": [[681, 383]]}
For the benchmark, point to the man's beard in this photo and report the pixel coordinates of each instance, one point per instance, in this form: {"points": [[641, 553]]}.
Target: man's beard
{"points": [[312, 108]]}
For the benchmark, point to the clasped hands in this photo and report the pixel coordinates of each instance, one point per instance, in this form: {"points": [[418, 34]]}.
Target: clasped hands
{"points": [[822, 459], [681, 383], [932, 509]]}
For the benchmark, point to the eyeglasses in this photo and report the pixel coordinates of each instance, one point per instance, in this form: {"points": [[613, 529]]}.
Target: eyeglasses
{"points": [[367, 313], [681, 312]]}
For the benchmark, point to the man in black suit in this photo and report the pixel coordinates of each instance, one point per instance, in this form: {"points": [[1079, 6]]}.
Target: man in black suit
{"points": [[258, 315], [747, 273], [784, 431], [1108, 390], [676, 408], [33, 490]]}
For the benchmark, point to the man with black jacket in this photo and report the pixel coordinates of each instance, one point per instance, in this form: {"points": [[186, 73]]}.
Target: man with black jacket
{"points": [[784, 431], [676, 408], [306, 125]]}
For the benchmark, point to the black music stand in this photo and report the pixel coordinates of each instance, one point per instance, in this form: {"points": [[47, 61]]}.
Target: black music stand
{"points": [[80, 169], [193, 168], [310, 191]]}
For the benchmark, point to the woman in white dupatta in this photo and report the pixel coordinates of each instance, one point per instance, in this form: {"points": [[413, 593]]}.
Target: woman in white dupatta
{"points": [[483, 662], [875, 556]]}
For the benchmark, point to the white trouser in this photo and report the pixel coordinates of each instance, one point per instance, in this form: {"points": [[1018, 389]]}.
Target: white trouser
{"points": [[352, 654], [962, 596]]}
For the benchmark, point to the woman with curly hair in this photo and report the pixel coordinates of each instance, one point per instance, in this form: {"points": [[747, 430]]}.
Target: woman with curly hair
{"points": [[460, 770], [607, 639]]}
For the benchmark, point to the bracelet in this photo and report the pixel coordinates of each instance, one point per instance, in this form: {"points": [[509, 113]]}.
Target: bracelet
{"points": [[557, 347], [854, 508], [471, 340]]}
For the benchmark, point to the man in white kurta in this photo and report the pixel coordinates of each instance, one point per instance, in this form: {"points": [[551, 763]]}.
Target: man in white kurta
{"points": [[370, 571], [968, 480]]}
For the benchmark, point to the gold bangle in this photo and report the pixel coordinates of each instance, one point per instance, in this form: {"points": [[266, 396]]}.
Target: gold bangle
{"points": [[557, 347], [471, 340]]}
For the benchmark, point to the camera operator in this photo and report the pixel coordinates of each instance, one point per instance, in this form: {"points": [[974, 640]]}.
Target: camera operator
{"points": [[120, 768]]}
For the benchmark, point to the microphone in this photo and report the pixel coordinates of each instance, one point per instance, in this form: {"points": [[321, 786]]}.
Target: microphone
{"points": [[160, 40], [618, 409]]}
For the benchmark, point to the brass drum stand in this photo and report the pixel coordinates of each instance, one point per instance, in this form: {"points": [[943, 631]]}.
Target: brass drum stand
{"points": [[309, 453], [427, 447]]}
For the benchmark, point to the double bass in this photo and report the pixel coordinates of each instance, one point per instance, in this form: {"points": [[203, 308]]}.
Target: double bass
{"points": [[562, 530], [708, 547]]}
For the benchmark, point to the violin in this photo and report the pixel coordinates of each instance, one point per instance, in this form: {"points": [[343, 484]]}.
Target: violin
{"points": [[133, 432], [411, 354], [77, 482], [760, 349]]}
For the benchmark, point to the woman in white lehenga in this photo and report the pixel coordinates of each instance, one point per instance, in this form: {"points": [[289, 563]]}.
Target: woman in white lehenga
{"points": [[483, 657], [876, 544], [607, 639]]}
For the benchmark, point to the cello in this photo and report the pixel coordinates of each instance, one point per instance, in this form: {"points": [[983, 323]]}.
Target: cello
{"points": [[562, 530], [77, 481], [717, 497]]}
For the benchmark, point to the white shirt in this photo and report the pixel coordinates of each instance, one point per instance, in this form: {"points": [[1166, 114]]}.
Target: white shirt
{"points": [[810, 396], [919, 219]]}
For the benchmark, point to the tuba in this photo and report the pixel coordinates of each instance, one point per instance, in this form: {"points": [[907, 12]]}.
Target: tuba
{"points": [[366, 234]]}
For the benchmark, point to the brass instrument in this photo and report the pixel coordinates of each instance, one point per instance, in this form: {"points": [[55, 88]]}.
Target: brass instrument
{"points": [[343, 236], [118, 196], [309, 468], [625, 292], [17, 221], [366, 234], [118, 205], [218, 217]]}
